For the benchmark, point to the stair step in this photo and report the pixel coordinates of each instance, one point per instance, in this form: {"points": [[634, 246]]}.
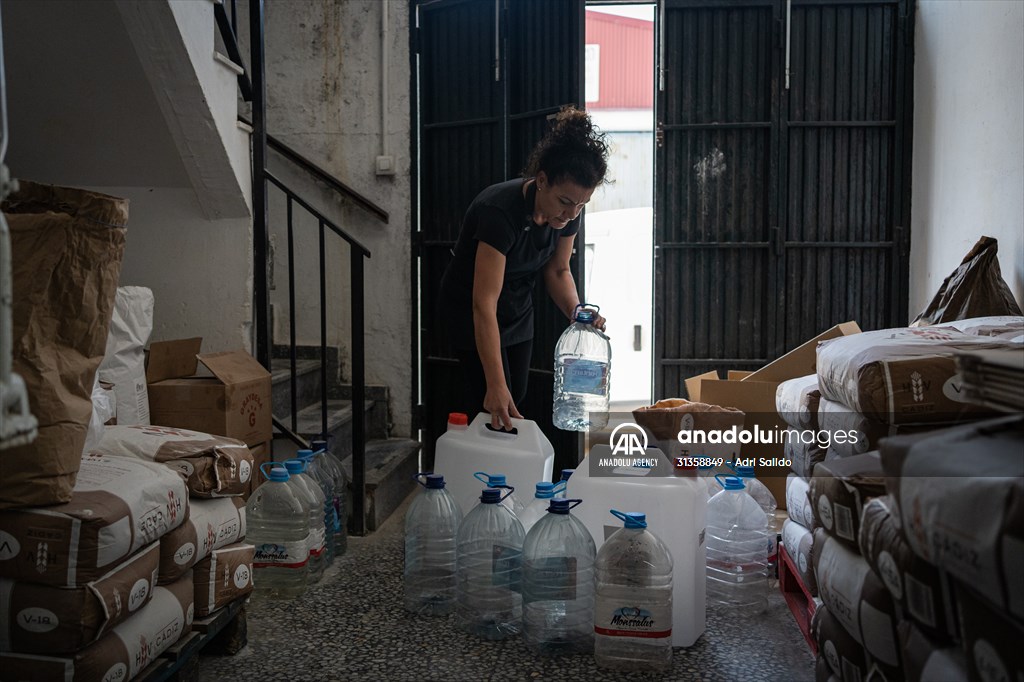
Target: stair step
{"points": [[391, 465], [307, 385]]}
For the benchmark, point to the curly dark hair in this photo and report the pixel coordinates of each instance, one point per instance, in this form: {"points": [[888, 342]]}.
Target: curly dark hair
{"points": [[572, 149]]}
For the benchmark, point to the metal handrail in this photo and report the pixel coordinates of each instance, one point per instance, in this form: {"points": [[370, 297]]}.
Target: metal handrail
{"points": [[323, 176], [357, 252], [228, 34]]}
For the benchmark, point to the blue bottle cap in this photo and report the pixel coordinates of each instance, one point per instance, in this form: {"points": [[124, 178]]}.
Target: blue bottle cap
{"points": [[730, 482], [491, 496], [562, 505], [745, 471], [491, 480], [295, 466], [631, 519], [545, 490], [435, 481], [278, 474], [304, 454], [566, 473], [585, 316]]}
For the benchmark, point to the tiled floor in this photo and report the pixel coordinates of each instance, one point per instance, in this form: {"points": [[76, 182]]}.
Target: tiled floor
{"points": [[352, 626]]}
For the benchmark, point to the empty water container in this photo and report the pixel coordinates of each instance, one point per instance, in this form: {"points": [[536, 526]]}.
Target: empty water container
{"points": [[319, 473], [340, 481], [511, 500], [431, 530], [583, 357], [488, 569], [633, 600], [524, 456], [313, 499], [737, 555], [558, 583], [676, 508], [277, 525], [538, 507]]}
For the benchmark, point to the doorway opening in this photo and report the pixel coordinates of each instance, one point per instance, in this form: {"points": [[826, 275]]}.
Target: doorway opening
{"points": [[619, 95]]}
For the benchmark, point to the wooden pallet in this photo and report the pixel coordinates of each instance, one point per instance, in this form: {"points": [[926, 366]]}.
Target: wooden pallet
{"points": [[800, 601], [222, 632]]}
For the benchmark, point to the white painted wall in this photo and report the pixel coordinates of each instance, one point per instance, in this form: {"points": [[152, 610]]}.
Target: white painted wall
{"points": [[968, 168], [324, 100], [199, 270]]}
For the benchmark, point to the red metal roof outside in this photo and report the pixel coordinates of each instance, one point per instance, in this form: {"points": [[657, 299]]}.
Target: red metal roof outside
{"points": [[626, 70]]}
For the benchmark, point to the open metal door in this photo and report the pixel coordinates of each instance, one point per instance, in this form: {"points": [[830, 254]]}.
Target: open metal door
{"points": [[490, 73], [781, 204], [715, 183]]}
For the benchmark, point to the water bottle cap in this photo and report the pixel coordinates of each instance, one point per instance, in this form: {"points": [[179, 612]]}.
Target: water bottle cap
{"points": [[491, 496], [295, 466], [745, 471], [545, 490], [561, 505], [730, 482], [435, 481], [278, 474], [304, 454], [566, 473], [318, 444], [631, 519], [490, 480], [587, 314], [458, 419]]}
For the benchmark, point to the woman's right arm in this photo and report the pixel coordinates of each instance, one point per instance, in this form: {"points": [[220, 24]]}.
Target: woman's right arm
{"points": [[488, 276]]}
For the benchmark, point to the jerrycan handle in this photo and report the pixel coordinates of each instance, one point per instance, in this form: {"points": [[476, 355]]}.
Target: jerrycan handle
{"points": [[266, 472], [510, 491], [513, 432], [422, 474], [482, 477]]}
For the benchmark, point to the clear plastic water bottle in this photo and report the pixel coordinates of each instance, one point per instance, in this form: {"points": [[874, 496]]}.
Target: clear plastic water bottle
{"points": [[583, 359], [633, 600], [756, 489], [318, 473], [538, 506], [488, 569], [431, 529], [277, 525], [566, 473], [511, 500], [340, 479], [313, 500], [737, 550], [558, 583]]}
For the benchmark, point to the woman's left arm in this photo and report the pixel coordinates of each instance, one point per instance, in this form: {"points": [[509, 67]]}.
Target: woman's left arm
{"points": [[560, 283]]}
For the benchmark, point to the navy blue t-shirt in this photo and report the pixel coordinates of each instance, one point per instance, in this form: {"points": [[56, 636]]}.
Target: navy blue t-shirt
{"points": [[501, 217]]}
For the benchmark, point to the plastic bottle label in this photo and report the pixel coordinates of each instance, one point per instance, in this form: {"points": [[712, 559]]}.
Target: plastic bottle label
{"points": [[317, 542], [613, 619], [506, 567], [584, 376], [555, 576], [281, 555]]}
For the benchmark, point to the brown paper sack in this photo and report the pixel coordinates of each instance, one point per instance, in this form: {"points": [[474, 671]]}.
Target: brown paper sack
{"points": [[66, 247]]}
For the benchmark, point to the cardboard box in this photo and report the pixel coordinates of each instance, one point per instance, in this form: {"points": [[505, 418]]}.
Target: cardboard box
{"points": [[234, 402], [754, 394]]}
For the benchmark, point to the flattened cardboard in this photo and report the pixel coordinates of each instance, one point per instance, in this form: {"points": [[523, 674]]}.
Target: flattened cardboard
{"points": [[801, 361], [172, 359]]}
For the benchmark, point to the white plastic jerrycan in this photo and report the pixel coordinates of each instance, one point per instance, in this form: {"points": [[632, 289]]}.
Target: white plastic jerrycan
{"points": [[524, 456], [676, 508]]}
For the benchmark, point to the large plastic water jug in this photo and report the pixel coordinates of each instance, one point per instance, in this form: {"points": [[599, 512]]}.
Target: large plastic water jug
{"points": [[308, 492], [488, 569], [583, 359], [277, 524], [737, 551], [633, 599], [676, 508], [340, 479], [431, 529], [524, 456]]}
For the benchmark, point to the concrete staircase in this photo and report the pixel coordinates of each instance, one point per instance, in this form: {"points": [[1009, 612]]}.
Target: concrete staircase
{"points": [[391, 463]]}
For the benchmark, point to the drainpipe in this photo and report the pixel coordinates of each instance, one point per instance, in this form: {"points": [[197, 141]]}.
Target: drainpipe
{"points": [[17, 425], [385, 162]]}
